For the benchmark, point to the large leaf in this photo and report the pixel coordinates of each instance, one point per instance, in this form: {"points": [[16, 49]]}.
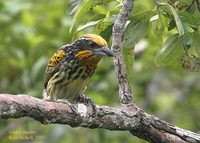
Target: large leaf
{"points": [[196, 42], [106, 33], [159, 25], [135, 31], [179, 24], [170, 52], [101, 26], [137, 28], [186, 41], [163, 19], [189, 19]]}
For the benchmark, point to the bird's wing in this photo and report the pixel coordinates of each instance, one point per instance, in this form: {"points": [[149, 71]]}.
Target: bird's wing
{"points": [[53, 65]]}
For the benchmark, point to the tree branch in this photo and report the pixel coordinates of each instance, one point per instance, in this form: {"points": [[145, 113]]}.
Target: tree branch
{"points": [[123, 118], [125, 93]]}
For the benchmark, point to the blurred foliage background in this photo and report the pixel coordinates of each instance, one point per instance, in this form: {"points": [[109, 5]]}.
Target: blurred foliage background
{"points": [[157, 36]]}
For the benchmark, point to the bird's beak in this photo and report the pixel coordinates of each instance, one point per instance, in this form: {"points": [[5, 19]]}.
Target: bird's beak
{"points": [[103, 51]]}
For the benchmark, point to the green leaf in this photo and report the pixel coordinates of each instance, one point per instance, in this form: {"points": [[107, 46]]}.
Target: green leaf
{"points": [[188, 19], [186, 41], [83, 9], [106, 33], [159, 25], [137, 28], [145, 14], [135, 31], [86, 6], [74, 4], [100, 9], [101, 26], [116, 9], [176, 17], [170, 52], [163, 19], [196, 42], [178, 21], [92, 23]]}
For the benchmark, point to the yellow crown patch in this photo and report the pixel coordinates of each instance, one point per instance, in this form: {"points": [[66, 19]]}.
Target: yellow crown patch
{"points": [[96, 38]]}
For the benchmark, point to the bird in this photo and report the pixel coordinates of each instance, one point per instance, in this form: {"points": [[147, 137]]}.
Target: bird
{"points": [[71, 66]]}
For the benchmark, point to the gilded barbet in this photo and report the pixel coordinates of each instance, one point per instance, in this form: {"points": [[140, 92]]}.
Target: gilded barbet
{"points": [[70, 68]]}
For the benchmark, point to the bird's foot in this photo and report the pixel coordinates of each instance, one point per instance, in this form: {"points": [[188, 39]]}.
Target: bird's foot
{"points": [[86, 100], [83, 99]]}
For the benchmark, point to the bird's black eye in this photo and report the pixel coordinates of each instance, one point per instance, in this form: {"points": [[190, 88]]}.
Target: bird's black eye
{"points": [[92, 44]]}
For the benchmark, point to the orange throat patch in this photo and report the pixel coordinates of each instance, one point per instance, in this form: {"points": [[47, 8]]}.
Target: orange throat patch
{"points": [[88, 59], [84, 54]]}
